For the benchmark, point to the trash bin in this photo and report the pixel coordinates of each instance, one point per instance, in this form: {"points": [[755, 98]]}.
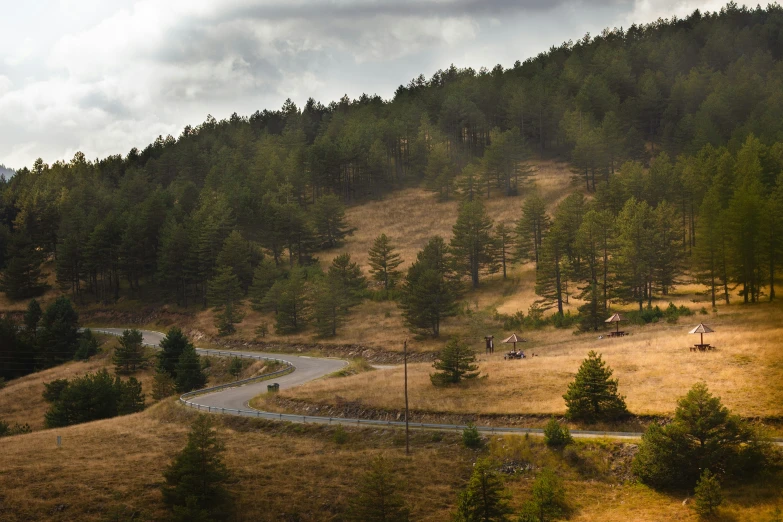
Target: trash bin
{"points": [[273, 388]]}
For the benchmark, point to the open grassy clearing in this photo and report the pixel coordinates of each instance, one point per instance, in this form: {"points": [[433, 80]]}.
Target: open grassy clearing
{"points": [[111, 470], [654, 366]]}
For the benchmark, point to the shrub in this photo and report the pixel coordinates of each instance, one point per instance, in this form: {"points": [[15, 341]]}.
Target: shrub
{"points": [[555, 435], [548, 502], [340, 436], [6, 430], [471, 437], [91, 397], [378, 495]]}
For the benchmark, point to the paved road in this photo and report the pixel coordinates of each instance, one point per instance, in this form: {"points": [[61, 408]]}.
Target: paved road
{"points": [[307, 369], [234, 400]]}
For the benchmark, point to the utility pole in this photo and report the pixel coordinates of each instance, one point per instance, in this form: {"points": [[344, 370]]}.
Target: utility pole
{"points": [[407, 434]]}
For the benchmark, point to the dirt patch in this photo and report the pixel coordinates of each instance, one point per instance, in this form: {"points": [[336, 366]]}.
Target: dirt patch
{"points": [[343, 351]]}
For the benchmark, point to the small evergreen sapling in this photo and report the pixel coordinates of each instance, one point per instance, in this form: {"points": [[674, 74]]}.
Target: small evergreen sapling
{"points": [[707, 494]]}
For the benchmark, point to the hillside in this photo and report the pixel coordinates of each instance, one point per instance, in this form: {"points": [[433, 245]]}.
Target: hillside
{"points": [[262, 457]]}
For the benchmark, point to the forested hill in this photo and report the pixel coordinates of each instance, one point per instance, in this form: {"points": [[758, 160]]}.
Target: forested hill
{"points": [[688, 92]]}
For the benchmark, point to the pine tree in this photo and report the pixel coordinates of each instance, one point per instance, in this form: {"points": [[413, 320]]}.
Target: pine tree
{"points": [[236, 367], [485, 498], [129, 355], [455, 362], [22, 276], [504, 161], [348, 278], [593, 396], [531, 229], [429, 293], [171, 348], [189, 375], [702, 435], [441, 171], [163, 386], [237, 253], [224, 293], [503, 242], [32, 317], [291, 300], [550, 276], [58, 338], [472, 243], [88, 346], [329, 221], [264, 276], [384, 260], [709, 255], [634, 258], [195, 487], [707, 494], [378, 497]]}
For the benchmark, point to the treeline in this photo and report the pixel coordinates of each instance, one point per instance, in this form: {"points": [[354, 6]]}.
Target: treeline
{"points": [[155, 222]]}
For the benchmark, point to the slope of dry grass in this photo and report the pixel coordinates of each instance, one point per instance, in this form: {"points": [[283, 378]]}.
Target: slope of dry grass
{"points": [[654, 367], [111, 470], [21, 400]]}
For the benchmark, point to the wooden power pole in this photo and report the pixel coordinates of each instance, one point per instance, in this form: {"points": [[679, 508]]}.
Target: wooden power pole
{"points": [[407, 433]]}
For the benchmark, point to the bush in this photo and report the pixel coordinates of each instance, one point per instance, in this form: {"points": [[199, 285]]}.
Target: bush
{"points": [[91, 397], [555, 435], [378, 495], [471, 437], [88, 346], [566, 320], [6, 430], [340, 436], [548, 502]]}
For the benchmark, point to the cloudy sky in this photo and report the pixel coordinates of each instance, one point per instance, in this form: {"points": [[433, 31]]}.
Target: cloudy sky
{"points": [[102, 76]]}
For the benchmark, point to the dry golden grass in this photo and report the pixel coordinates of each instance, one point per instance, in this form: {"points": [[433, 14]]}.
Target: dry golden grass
{"points": [[111, 470], [654, 366], [21, 400]]}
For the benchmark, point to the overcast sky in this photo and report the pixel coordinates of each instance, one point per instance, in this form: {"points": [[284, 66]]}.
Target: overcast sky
{"points": [[102, 76]]}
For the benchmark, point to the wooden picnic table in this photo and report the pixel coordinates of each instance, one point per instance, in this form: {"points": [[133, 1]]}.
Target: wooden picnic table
{"points": [[702, 347], [616, 334]]}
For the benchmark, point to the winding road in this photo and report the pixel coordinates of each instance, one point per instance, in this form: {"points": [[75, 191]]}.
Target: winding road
{"points": [[233, 398], [237, 397]]}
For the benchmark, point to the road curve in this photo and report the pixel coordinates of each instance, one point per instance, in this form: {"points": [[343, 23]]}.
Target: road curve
{"points": [[233, 399], [237, 397]]}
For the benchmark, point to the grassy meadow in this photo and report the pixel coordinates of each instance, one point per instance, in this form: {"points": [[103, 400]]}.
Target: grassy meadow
{"points": [[299, 472], [653, 364]]}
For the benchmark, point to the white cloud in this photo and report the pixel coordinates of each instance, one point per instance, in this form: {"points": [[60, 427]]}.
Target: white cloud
{"points": [[103, 77]]}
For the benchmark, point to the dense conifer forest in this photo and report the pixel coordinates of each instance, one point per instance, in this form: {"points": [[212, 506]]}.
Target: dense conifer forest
{"points": [[674, 131]]}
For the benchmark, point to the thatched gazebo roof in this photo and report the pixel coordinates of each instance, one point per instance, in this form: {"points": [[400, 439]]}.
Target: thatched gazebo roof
{"points": [[616, 318]]}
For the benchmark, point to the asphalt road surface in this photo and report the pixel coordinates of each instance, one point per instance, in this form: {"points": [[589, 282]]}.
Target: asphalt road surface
{"points": [[237, 398]]}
